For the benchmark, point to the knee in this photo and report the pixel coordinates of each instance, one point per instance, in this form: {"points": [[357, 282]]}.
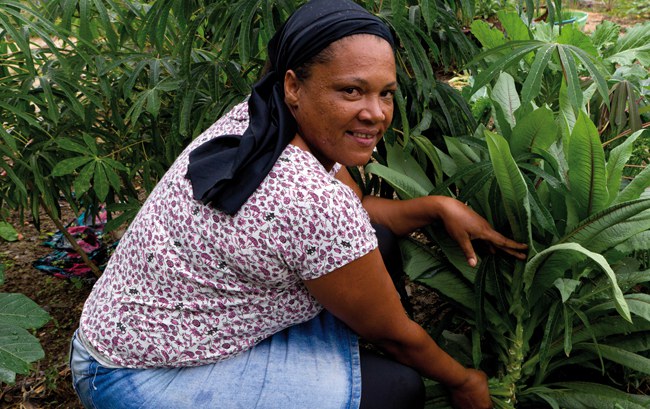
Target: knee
{"points": [[413, 387]]}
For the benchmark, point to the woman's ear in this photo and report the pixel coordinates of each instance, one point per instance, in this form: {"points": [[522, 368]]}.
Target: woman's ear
{"points": [[291, 89]]}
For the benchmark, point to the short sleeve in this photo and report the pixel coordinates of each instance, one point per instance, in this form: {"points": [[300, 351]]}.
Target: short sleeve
{"points": [[328, 228]]}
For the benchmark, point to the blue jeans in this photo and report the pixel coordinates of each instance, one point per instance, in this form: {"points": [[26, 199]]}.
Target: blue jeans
{"points": [[311, 365]]}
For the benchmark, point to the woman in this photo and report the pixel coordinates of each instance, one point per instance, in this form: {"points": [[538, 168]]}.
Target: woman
{"points": [[215, 296]]}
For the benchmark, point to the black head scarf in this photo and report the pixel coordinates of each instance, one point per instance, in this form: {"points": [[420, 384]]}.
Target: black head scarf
{"points": [[226, 170]]}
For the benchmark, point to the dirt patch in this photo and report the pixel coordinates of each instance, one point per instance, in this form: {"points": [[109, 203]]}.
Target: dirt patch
{"points": [[594, 18], [49, 384]]}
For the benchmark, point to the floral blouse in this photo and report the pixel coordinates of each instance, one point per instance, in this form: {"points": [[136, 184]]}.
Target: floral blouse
{"points": [[189, 285]]}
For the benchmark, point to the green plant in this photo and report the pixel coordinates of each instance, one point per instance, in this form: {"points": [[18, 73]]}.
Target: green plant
{"points": [[98, 98], [547, 329], [604, 72], [7, 232], [627, 58], [18, 347]]}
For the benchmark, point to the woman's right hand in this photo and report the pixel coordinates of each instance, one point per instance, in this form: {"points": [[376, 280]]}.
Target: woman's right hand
{"points": [[473, 393]]}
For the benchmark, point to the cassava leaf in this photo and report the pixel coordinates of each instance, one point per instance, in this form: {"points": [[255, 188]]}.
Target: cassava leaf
{"points": [[570, 71], [533, 82], [68, 166]]}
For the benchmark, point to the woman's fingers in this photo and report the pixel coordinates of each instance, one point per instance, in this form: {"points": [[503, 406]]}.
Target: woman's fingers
{"points": [[496, 240]]}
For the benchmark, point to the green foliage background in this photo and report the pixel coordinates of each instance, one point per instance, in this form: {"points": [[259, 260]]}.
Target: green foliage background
{"points": [[97, 98]]}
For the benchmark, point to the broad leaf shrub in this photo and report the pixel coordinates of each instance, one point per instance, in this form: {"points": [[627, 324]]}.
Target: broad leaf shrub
{"points": [[98, 98], [548, 330], [18, 314], [18, 347]]}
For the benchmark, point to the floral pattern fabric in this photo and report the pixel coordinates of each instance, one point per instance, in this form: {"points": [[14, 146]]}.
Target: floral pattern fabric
{"points": [[189, 285]]}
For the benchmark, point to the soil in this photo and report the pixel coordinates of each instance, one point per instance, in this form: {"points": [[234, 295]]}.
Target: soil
{"points": [[594, 18], [49, 384]]}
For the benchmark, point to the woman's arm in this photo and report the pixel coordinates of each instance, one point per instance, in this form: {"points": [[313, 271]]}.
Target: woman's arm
{"points": [[461, 222], [362, 295]]}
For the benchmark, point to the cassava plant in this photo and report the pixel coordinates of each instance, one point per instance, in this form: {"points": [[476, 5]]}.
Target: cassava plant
{"points": [[97, 98], [560, 327]]}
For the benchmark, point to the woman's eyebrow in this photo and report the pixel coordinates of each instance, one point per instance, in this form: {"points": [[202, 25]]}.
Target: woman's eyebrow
{"points": [[363, 81]]}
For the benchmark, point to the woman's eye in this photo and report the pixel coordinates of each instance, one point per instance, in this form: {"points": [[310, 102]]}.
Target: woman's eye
{"points": [[350, 90], [388, 94]]}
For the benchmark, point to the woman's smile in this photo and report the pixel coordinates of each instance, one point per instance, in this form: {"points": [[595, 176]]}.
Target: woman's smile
{"points": [[365, 138]]}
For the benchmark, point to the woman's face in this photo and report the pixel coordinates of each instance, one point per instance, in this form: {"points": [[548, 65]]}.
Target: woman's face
{"points": [[345, 105]]}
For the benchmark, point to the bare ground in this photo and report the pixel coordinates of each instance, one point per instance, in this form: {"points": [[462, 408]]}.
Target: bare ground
{"points": [[49, 385]]}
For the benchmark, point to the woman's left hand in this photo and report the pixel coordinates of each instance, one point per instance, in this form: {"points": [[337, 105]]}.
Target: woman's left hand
{"points": [[464, 225]]}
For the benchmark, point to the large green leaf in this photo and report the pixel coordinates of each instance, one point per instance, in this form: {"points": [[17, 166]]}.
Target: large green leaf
{"points": [[566, 116], [513, 25], [605, 34], [639, 304], [420, 261], [8, 233], [587, 174], [505, 95], [572, 35], [636, 187], [423, 265], [584, 395], [514, 51], [512, 186], [633, 46], [639, 242], [7, 376], [621, 232], [451, 287], [617, 294], [595, 68], [18, 310], [534, 132], [618, 157], [488, 37], [18, 348], [533, 83], [405, 186], [425, 146], [618, 355], [599, 223], [403, 162], [600, 328], [570, 71]]}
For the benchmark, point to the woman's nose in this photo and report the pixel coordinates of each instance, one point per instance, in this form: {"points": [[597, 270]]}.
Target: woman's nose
{"points": [[372, 110]]}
